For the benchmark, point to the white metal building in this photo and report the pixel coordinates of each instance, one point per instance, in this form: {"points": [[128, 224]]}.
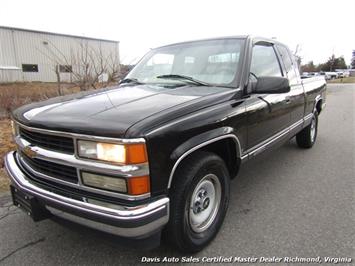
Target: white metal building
{"points": [[30, 55]]}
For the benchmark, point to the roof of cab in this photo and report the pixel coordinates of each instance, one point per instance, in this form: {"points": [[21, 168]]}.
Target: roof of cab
{"points": [[250, 37], [207, 39]]}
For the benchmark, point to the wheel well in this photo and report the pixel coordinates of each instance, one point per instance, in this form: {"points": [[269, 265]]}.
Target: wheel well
{"points": [[227, 150], [319, 106]]}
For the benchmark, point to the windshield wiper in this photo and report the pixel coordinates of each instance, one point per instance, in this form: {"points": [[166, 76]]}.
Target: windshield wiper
{"points": [[130, 80], [182, 77]]}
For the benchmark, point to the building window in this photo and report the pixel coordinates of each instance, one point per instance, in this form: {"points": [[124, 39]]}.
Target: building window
{"points": [[65, 69], [29, 68]]}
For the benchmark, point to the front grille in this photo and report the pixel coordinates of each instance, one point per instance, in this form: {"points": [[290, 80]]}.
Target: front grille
{"points": [[52, 142], [63, 172]]}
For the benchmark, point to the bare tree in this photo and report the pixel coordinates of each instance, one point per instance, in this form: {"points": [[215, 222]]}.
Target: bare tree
{"points": [[296, 54], [88, 66], [57, 73]]}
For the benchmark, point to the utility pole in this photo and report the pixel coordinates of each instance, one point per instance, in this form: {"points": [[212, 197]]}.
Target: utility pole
{"points": [[332, 60]]}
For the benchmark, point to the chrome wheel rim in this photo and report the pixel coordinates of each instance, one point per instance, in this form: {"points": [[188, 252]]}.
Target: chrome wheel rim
{"points": [[204, 203], [313, 129]]}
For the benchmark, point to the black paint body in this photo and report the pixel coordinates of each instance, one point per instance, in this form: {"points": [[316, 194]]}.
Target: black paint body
{"points": [[174, 120]]}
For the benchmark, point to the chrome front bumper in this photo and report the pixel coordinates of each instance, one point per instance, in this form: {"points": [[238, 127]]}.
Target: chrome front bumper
{"points": [[132, 222]]}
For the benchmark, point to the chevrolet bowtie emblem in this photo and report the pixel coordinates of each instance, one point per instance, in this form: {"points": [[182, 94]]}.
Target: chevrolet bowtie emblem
{"points": [[29, 152]]}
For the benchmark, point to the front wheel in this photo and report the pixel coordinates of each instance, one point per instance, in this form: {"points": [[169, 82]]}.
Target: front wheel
{"points": [[199, 201], [307, 137]]}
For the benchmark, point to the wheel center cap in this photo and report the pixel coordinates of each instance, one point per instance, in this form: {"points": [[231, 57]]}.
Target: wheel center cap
{"points": [[206, 203]]}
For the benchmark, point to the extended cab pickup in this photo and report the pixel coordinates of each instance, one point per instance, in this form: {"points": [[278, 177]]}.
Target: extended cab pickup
{"points": [[159, 151]]}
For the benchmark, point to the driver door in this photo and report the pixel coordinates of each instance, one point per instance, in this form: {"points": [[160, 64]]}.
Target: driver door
{"points": [[268, 114]]}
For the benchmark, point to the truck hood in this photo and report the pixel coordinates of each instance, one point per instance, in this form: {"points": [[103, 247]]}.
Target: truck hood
{"points": [[110, 112]]}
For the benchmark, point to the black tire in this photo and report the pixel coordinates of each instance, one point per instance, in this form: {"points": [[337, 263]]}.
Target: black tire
{"points": [[188, 177], [304, 138]]}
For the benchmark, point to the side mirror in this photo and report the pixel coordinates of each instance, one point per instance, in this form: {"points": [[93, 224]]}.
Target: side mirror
{"points": [[272, 85]]}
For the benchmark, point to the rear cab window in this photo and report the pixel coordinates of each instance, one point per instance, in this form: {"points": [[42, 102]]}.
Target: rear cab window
{"points": [[289, 64]]}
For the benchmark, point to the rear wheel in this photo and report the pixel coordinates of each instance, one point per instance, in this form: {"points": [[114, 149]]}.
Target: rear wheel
{"points": [[199, 201], [307, 137]]}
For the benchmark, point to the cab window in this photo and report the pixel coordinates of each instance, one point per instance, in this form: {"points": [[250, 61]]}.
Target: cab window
{"points": [[289, 65], [264, 61]]}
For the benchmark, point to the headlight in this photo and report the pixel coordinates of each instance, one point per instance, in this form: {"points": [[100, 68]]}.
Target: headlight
{"points": [[102, 151], [110, 152]]}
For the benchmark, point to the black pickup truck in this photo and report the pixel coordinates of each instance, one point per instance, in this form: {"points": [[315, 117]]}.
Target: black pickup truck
{"points": [[157, 153]]}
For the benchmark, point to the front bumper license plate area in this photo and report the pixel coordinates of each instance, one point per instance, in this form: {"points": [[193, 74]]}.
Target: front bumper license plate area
{"points": [[29, 204]]}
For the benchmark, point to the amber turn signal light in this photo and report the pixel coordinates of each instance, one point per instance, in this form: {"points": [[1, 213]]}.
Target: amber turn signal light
{"points": [[138, 185], [136, 153]]}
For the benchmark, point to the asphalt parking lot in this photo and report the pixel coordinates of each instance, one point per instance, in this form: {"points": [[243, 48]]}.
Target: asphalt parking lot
{"points": [[286, 203]]}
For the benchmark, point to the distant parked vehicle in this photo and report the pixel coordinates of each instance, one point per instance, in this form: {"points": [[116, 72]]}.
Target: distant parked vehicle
{"points": [[329, 75], [309, 74], [332, 75], [340, 74], [323, 74], [305, 75]]}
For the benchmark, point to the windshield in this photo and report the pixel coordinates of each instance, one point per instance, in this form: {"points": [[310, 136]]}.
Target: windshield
{"points": [[212, 62]]}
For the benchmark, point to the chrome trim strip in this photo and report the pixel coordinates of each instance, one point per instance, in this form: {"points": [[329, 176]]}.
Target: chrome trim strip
{"points": [[297, 124], [244, 157], [317, 99], [308, 117], [268, 142], [264, 144], [123, 232], [80, 185], [234, 137], [125, 213], [81, 136]]}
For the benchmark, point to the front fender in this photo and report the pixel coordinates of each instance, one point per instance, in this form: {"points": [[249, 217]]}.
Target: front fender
{"points": [[200, 141]]}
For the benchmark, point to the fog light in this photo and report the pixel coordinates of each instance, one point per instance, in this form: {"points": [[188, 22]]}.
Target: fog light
{"points": [[104, 182]]}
